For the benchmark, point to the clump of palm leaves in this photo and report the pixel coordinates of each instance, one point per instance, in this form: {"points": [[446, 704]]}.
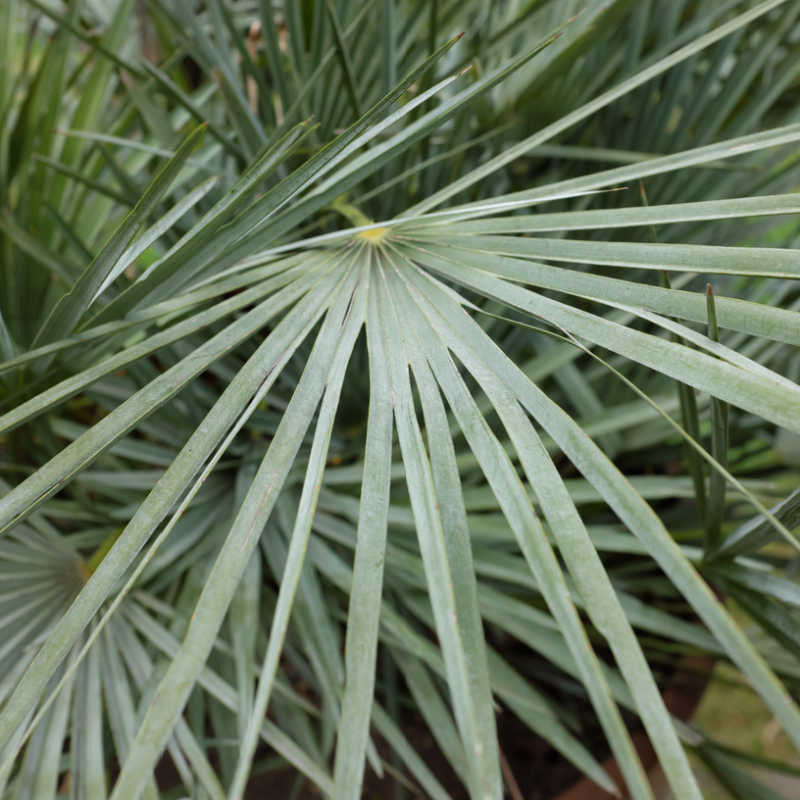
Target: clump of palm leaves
{"points": [[360, 377]]}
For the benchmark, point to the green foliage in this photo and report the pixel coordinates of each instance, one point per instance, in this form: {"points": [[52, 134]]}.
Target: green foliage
{"points": [[376, 367]]}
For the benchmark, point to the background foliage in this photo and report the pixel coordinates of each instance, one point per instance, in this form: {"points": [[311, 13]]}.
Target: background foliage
{"points": [[376, 396]]}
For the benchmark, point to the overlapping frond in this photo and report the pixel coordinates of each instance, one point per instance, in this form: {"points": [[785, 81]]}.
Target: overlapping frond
{"points": [[293, 441]]}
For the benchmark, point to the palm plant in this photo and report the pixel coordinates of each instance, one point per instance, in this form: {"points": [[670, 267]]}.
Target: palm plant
{"points": [[306, 374]]}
